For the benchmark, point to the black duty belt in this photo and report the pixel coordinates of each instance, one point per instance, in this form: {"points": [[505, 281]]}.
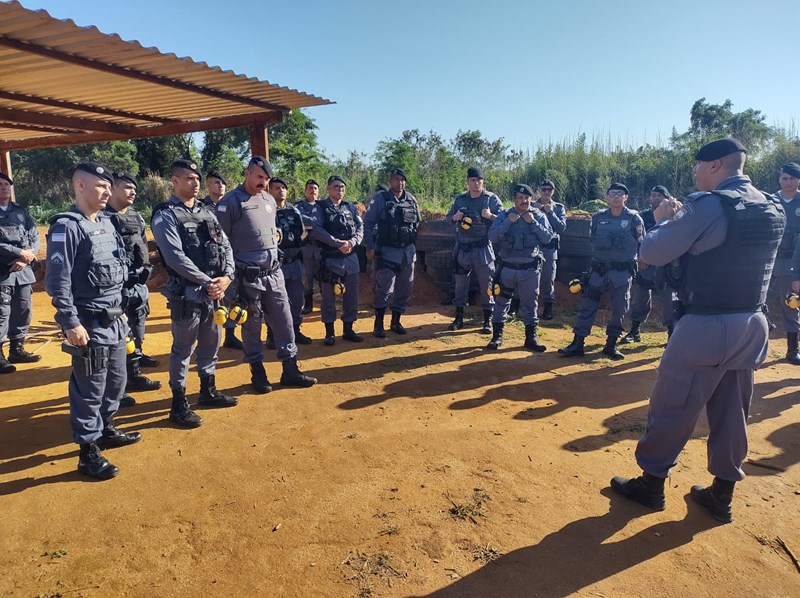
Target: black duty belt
{"points": [[711, 310], [534, 265]]}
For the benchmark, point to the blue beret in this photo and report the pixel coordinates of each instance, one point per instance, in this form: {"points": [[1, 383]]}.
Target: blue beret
{"points": [[216, 174], [719, 149], [473, 172], [263, 164], [5, 177], [186, 165], [660, 189], [519, 188], [398, 172], [276, 180], [334, 178], [547, 183], [127, 177], [792, 169], [98, 170], [618, 187], [311, 182]]}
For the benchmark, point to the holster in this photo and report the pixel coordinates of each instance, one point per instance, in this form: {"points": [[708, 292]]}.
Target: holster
{"points": [[87, 360], [179, 309], [109, 315]]}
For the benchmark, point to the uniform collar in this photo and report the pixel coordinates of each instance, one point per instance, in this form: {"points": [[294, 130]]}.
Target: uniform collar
{"points": [[734, 181]]}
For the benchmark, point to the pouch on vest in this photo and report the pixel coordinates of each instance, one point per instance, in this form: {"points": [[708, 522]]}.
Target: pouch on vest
{"points": [[602, 241], [105, 274]]}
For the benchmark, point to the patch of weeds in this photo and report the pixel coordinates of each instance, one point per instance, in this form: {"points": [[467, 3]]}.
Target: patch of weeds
{"points": [[352, 436], [486, 554], [470, 509], [522, 499], [55, 554], [367, 569], [390, 530]]}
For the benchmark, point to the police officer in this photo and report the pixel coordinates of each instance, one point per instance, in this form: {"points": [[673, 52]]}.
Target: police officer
{"points": [[518, 235], [198, 258], [615, 235], [308, 209], [473, 213], [215, 188], [789, 198], [337, 230], [646, 286], [86, 268], [19, 243], [557, 217], [720, 247], [247, 215], [292, 233], [391, 230], [135, 296]]}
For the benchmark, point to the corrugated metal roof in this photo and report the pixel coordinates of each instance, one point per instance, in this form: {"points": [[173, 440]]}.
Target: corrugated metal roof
{"points": [[59, 80]]}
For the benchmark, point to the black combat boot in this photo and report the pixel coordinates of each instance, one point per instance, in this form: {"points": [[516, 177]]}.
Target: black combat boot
{"points": [[18, 354], [531, 340], [458, 323], [513, 306], [330, 334], [646, 489], [292, 376], [270, 344], [634, 336], [113, 438], [575, 348], [126, 401], [180, 414], [231, 342], [547, 314], [138, 382], [349, 334], [258, 378], [299, 337], [145, 361], [792, 354], [211, 397], [611, 350], [378, 329], [93, 464], [717, 499], [395, 325], [497, 336], [308, 306], [5, 366], [487, 322]]}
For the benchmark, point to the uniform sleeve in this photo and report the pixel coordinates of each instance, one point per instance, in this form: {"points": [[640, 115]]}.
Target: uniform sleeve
{"points": [[558, 219], [638, 229], [227, 212], [165, 231], [359, 236], [371, 221], [495, 205], [795, 267], [230, 263], [62, 247], [499, 227], [541, 226], [33, 233], [453, 209]]}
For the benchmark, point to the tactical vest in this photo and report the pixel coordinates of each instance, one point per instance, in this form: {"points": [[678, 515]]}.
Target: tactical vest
{"points": [[472, 208], [612, 239], [648, 218], [104, 274], [519, 241], [290, 225], [398, 221], [255, 230], [338, 220], [201, 239], [12, 228], [792, 231], [130, 227], [734, 277]]}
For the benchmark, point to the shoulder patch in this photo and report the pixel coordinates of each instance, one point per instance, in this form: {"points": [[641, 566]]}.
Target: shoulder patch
{"points": [[156, 220], [221, 207], [58, 238], [686, 210]]}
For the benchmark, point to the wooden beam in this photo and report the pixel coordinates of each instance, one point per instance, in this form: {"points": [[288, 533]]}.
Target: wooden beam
{"points": [[195, 126], [64, 122], [21, 97], [10, 125], [259, 139], [130, 73]]}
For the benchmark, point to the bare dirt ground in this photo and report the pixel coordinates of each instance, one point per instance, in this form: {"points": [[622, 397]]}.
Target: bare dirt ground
{"points": [[422, 465]]}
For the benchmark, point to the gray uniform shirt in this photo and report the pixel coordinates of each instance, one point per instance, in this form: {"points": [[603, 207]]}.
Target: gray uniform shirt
{"points": [[318, 233], [10, 253], [557, 218], [539, 226], [371, 241]]}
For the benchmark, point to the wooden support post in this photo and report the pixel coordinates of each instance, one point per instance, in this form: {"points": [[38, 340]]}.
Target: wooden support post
{"points": [[5, 167], [259, 140]]}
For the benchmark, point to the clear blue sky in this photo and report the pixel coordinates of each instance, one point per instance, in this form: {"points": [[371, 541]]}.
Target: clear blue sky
{"points": [[527, 71]]}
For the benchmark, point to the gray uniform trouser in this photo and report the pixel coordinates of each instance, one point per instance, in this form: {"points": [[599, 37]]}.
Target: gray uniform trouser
{"points": [[93, 400], [709, 364], [525, 285], [198, 327], [310, 266], [396, 280], [642, 299], [548, 278], [294, 279], [347, 268], [783, 285], [617, 285], [137, 311], [473, 260], [15, 311], [272, 306]]}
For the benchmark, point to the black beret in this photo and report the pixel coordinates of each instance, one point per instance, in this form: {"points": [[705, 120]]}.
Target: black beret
{"points": [[398, 172], [660, 189], [382, 187], [792, 169], [263, 164], [186, 165], [617, 186], [5, 177], [719, 149], [126, 177], [334, 178], [98, 170], [523, 189], [216, 174], [473, 171], [547, 183], [311, 182], [275, 180]]}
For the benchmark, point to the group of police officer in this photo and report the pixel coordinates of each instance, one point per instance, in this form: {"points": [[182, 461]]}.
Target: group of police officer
{"points": [[247, 257]]}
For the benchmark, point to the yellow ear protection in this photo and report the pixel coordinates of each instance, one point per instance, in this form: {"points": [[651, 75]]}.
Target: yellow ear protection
{"points": [[238, 315], [792, 300], [130, 346], [465, 222], [339, 288], [220, 313], [494, 289], [575, 286]]}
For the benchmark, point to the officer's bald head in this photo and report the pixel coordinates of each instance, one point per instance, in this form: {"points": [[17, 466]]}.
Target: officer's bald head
{"points": [[733, 163]]}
